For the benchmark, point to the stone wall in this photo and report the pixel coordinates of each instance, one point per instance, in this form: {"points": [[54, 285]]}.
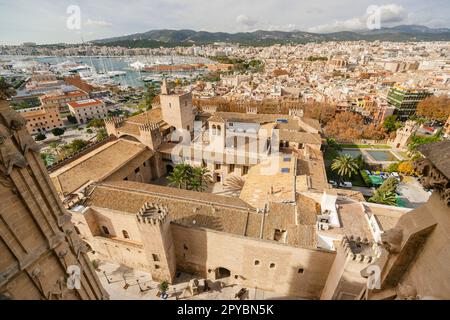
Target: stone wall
{"points": [[37, 240], [290, 271]]}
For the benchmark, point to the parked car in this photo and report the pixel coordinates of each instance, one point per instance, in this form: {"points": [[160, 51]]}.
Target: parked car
{"points": [[333, 183], [346, 184]]}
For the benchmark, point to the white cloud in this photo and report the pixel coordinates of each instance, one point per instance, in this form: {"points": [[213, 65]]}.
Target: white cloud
{"points": [[392, 13], [98, 23], [245, 21], [389, 13]]}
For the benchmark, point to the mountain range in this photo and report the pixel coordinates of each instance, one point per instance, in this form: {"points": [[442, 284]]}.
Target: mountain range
{"points": [[169, 38]]}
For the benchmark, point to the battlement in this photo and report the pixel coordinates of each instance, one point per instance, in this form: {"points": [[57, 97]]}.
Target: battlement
{"points": [[149, 127], [298, 112], [251, 110], [359, 249], [115, 121], [209, 109], [152, 213]]}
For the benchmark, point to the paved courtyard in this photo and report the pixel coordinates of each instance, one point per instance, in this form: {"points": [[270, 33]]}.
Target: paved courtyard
{"points": [[412, 192], [124, 283]]}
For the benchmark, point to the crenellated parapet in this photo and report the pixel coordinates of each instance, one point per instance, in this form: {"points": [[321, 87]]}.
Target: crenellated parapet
{"points": [[150, 135], [297, 112], [359, 249], [116, 122], [251, 110], [149, 127], [153, 213]]}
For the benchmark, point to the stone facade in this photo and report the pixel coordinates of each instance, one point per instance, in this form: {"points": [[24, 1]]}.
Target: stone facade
{"points": [[414, 258], [38, 243]]}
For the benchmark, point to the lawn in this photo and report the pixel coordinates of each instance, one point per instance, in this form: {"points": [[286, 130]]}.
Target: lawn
{"points": [[365, 146]]}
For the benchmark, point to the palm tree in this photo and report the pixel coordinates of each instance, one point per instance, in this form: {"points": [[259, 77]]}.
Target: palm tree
{"points": [[384, 197], [201, 176], [345, 166], [180, 176]]}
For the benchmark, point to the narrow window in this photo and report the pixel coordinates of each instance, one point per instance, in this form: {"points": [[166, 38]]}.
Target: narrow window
{"points": [[155, 257], [125, 234], [105, 230]]}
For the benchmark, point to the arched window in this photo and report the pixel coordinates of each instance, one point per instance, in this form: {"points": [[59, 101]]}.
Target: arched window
{"points": [[125, 234], [219, 129], [214, 132], [105, 230]]}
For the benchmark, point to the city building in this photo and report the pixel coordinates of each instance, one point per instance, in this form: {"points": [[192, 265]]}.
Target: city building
{"points": [[85, 110], [62, 96], [41, 119], [405, 100]]}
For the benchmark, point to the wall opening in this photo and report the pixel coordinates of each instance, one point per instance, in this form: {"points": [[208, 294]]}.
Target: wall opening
{"points": [[222, 273], [105, 230]]}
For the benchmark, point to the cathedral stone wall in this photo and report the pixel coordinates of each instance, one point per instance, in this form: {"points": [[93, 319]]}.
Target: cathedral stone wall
{"points": [[37, 240]]}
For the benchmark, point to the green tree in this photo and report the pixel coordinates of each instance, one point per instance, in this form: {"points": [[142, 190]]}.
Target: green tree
{"points": [[180, 176], [345, 166], [384, 197], [96, 123], [200, 178], [389, 185], [419, 140], [148, 97], [40, 136], [164, 286], [101, 134], [5, 89], [72, 119], [391, 124], [78, 144], [393, 167], [58, 132], [47, 158]]}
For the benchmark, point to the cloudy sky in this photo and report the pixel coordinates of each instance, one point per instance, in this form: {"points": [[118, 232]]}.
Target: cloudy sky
{"points": [[46, 21]]}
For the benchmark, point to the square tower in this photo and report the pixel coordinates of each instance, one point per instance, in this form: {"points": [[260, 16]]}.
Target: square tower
{"points": [[177, 108]]}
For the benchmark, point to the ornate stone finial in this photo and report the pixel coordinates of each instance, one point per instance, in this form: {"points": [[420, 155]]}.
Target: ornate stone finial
{"points": [[432, 178], [392, 240]]}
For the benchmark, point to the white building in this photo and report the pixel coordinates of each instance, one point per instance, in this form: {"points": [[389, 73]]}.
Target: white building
{"points": [[85, 110]]}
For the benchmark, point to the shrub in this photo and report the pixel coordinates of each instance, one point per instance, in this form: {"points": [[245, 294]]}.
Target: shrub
{"points": [[393, 167], [58, 132], [40, 136], [389, 185], [406, 168], [164, 286], [366, 178]]}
